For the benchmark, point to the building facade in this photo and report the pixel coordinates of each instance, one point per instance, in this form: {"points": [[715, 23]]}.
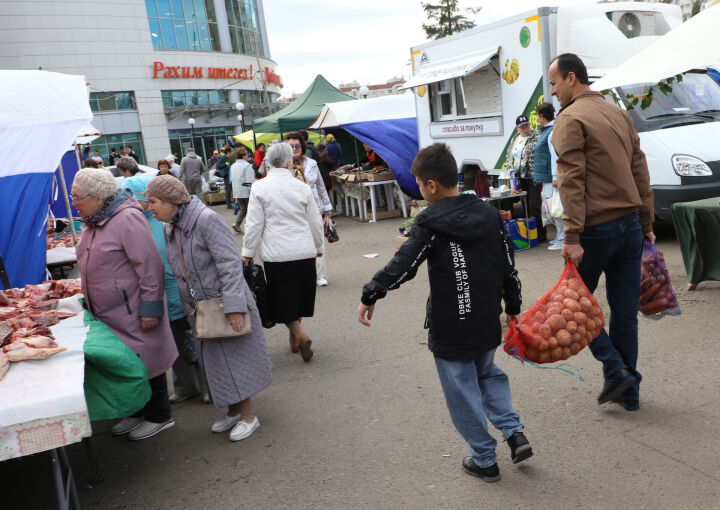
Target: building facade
{"points": [[378, 90], [152, 66]]}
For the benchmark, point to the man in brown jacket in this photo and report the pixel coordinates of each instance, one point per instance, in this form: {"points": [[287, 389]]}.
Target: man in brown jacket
{"points": [[605, 190]]}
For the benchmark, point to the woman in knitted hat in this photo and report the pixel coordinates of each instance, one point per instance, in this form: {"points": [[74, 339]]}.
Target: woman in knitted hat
{"points": [[123, 282], [235, 368]]}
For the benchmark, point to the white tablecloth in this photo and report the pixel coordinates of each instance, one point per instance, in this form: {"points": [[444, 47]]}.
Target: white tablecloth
{"points": [[61, 254], [43, 401]]}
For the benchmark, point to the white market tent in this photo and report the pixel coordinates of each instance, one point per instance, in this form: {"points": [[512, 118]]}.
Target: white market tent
{"points": [[386, 124], [41, 114], [332, 115], [693, 45]]}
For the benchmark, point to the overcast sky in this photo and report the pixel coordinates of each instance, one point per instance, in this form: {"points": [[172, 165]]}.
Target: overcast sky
{"points": [[368, 41]]}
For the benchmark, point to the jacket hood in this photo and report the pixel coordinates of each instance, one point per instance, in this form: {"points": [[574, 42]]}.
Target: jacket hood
{"points": [[124, 199], [192, 155], [187, 221], [463, 218]]}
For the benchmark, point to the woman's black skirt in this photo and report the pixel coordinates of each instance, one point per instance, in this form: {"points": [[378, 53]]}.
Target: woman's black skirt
{"points": [[291, 289]]}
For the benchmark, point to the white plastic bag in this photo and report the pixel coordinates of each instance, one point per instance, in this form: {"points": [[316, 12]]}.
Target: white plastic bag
{"points": [[556, 208], [205, 187], [547, 218]]}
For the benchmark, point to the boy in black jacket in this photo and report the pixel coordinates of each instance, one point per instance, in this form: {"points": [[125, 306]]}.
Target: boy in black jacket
{"points": [[471, 267]]}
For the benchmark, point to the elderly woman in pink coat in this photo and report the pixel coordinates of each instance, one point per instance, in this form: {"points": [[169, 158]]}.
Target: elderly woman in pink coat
{"points": [[123, 282]]}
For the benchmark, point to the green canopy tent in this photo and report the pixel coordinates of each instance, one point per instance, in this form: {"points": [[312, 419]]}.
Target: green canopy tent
{"points": [[302, 112]]}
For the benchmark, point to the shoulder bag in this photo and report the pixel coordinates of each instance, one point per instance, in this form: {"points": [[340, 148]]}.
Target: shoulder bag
{"points": [[211, 323]]}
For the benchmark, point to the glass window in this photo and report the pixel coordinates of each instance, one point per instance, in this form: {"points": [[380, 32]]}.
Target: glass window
{"points": [[178, 97], [181, 35], [182, 24], [210, 9], [193, 35], [204, 36], [200, 10], [94, 103], [151, 8], [155, 33], [189, 9], [214, 36], [167, 98], [163, 9], [106, 102], [214, 97], [177, 10], [203, 97], [168, 34], [104, 143]]}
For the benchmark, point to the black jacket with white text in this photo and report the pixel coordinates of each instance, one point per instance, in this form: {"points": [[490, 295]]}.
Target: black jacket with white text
{"points": [[471, 266]]}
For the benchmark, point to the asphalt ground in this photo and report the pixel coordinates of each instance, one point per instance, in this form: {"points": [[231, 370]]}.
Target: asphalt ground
{"points": [[364, 424]]}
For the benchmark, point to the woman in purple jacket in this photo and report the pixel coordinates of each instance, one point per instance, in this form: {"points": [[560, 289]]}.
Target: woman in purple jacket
{"points": [[122, 278]]}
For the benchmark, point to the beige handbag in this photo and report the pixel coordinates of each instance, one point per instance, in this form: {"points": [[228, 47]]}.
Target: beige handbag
{"points": [[211, 323]]}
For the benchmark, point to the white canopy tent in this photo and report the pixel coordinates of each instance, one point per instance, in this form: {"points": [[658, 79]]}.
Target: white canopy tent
{"points": [[41, 114], [374, 109], [693, 45]]}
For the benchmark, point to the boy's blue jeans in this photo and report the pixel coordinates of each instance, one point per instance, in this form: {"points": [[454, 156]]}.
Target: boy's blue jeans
{"points": [[476, 388], [615, 248]]}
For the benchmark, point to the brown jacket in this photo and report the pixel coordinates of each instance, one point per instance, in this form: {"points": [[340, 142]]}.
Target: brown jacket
{"points": [[602, 173]]}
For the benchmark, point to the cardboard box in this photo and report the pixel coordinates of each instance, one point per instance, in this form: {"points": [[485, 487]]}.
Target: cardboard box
{"points": [[215, 198], [381, 214], [385, 175], [399, 241]]}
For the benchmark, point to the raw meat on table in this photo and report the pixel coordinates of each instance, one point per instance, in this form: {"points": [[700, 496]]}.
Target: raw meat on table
{"points": [[28, 353]]}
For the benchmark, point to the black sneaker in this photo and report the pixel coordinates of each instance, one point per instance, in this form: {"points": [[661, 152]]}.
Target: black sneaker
{"points": [[520, 448], [615, 385], [488, 474]]}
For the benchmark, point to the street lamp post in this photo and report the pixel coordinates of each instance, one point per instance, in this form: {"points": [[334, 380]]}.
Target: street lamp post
{"points": [[240, 107], [364, 91], [191, 121]]}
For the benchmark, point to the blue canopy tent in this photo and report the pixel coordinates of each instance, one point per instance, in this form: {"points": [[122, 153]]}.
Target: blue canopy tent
{"points": [[386, 124], [37, 108]]}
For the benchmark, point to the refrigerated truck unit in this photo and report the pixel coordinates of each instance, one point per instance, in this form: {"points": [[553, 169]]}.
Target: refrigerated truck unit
{"points": [[470, 87]]}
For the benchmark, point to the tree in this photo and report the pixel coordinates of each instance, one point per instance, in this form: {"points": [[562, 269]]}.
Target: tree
{"points": [[447, 18]]}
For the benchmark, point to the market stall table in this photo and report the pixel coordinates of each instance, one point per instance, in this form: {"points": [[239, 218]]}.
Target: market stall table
{"points": [[355, 197], [698, 230], [44, 406], [523, 196]]}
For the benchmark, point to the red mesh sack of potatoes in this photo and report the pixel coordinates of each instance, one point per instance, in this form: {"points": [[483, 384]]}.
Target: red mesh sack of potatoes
{"points": [[559, 325]]}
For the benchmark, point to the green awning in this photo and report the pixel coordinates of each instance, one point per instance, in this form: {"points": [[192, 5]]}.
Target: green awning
{"points": [[302, 112]]}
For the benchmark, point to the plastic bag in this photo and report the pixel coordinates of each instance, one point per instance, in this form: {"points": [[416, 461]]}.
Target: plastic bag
{"points": [[255, 278], [559, 325], [657, 297], [547, 218], [330, 231], [556, 208]]}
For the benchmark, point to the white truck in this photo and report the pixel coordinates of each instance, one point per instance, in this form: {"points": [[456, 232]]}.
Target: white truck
{"points": [[469, 88]]}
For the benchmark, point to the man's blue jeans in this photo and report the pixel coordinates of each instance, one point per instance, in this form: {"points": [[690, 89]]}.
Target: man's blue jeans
{"points": [[476, 388], [615, 248]]}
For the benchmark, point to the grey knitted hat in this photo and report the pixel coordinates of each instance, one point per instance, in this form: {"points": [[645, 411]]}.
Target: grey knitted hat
{"points": [[168, 188], [98, 182]]}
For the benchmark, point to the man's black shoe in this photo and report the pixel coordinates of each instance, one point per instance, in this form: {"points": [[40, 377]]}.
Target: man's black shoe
{"points": [[520, 448], [488, 474], [615, 385]]}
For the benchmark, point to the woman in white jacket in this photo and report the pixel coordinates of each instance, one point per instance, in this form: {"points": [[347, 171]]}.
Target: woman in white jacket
{"points": [[306, 170], [284, 226], [242, 176]]}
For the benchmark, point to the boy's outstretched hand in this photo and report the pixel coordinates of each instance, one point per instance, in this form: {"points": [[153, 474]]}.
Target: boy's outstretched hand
{"points": [[365, 314]]}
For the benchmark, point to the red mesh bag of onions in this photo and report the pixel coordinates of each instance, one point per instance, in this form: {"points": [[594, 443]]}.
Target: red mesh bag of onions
{"points": [[559, 325]]}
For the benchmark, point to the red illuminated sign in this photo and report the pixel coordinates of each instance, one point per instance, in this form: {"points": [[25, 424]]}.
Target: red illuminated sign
{"points": [[160, 70]]}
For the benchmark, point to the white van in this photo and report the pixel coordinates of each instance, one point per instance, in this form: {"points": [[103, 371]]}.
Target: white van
{"points": [[470, 87]]}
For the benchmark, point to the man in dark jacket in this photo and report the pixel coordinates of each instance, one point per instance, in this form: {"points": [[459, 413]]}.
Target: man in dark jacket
{"points": [[334, 150], [471, 268], [222, 170]]}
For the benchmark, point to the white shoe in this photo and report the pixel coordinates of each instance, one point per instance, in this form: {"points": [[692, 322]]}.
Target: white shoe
{"points": [[244, 429], [556, 246], [226, 423], [322, 282], [126, 425], [148, 429]]}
